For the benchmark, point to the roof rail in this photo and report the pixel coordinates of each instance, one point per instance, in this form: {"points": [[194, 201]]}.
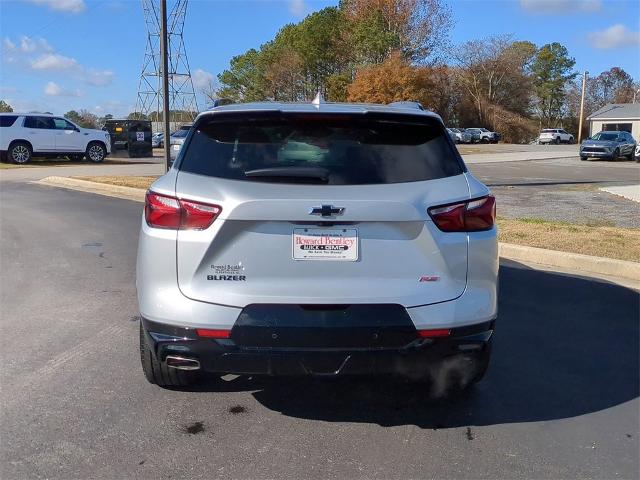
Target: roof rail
{"points": [[406, 104]]}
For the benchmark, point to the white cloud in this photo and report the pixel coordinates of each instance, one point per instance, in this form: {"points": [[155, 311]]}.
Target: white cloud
{"points": [[614, 37], [37, 54], [54, 61], [98, 78], [8, 90], [298, 7], [72, 6], [8, 45], [27, 45], [561, 6], [52, 89], [201, 79]]}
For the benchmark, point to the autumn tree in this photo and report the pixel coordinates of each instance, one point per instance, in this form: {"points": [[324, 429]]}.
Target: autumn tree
{"points": [[391, 81], [417, 28], [5, 107], [495, 71]]}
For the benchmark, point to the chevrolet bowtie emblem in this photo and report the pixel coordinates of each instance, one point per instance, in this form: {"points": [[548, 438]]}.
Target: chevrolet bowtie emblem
{"points": [[326, 211]]}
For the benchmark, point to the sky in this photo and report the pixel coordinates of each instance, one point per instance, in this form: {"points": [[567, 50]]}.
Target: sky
{"points": [[59, 55]]}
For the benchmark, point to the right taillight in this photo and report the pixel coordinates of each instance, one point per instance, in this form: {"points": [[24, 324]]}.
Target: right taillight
{"points": [[471, 216], [163, 211]]}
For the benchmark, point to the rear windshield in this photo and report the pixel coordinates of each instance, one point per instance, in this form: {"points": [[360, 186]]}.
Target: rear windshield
{"points": [[315, 148], [7, 120]]}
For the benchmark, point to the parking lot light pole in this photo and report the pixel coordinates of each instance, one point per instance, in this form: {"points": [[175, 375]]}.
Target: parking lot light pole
{"points": [[165, 83], [584, 89]]}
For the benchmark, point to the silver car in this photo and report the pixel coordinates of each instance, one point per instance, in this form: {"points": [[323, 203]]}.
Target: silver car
{"points": [[608, 145], [317, 239], [177, 139], [462, 136]]}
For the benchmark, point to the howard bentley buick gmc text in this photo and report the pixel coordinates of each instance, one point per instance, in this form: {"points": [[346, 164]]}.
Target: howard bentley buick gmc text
{"points": [[317, 239]]}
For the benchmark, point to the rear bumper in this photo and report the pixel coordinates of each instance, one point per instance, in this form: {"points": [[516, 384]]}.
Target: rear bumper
{"points": [[414, 358]]}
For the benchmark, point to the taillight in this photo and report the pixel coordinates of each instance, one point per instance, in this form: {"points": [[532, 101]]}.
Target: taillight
{"points": [[213, 333], [434, 333], [470, 216], [163, 211]]}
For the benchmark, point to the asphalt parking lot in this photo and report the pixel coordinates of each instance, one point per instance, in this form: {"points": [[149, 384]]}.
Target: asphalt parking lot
{"points": [[560, 401], [563, 189]]}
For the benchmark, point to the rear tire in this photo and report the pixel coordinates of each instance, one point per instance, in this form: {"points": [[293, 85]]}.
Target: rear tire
{"points": [[20, 152], [557, 141], [158, 373], [584, 159]]}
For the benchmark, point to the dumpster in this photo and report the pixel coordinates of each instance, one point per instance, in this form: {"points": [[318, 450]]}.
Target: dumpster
{"points": [[130, 138]]}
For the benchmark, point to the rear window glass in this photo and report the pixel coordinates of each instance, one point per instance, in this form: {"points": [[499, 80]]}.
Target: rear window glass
{"points": [[315, 148], [7, 120]]}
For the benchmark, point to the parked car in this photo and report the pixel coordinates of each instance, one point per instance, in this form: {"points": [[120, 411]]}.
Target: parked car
{"points": [[452, 135], [555, 135], [637, 153], [461, 135], [177, 139], [608, 145], [157, 140], [474, 134], [23, 136], [483, 135], [289, 240]]}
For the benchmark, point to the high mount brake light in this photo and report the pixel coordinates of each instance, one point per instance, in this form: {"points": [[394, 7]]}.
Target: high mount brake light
{"points": [[471, 216], [163, 211]]}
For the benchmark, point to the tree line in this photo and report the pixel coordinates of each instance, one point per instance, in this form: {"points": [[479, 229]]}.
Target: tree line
{"points": [[388, 50]]}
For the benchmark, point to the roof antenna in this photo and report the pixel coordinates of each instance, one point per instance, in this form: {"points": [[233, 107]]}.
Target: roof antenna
{"points": [[318, 100]]}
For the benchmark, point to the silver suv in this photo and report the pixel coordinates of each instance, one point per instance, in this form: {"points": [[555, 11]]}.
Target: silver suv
{"points": [[317, 239]]}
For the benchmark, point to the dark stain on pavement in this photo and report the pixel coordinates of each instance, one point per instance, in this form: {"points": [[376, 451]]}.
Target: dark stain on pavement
{"points": [[236, 409], [194, 428]]}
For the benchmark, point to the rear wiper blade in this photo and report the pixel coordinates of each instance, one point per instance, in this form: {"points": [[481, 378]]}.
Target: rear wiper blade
{"points": [[295, 174]]}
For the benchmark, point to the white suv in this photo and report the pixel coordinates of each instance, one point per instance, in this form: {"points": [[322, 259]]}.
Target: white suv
{"points": [[555, 135], [23, 136], [317, 239]]}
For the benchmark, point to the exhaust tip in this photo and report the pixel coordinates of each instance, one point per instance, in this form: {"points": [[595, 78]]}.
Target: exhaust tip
{"points": [[182, 363]]}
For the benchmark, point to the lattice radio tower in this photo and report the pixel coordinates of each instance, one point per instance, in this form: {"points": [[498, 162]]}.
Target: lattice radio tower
{"points": [[182, 96]]}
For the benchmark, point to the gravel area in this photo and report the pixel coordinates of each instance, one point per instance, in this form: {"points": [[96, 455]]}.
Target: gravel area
{"points": [[583, 204]]}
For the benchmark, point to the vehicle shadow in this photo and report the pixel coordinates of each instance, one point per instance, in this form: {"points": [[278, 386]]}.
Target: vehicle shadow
{"points": [[564, 346]]}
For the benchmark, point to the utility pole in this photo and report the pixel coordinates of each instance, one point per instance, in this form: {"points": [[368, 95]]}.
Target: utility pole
{"points": [[165, 83], [584, 89]]}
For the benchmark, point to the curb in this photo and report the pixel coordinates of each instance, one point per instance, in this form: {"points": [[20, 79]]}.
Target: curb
{"points": [[541, 256], [127, 193], [571, 261]]}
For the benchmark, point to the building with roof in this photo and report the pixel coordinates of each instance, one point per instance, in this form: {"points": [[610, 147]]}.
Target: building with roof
{"points": [[616, 117]]}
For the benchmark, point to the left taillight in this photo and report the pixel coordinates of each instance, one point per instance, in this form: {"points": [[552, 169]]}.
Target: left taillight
{"points": [[471, 216], [163, 211]]}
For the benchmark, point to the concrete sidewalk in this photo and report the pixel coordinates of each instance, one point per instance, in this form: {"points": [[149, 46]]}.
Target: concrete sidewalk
{"points": [[630, 192], [22, 174], [516, 156]]}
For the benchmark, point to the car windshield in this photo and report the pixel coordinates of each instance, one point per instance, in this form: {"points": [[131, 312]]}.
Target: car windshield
{"points": [[180, 133], [607, 136], [331, 149]]}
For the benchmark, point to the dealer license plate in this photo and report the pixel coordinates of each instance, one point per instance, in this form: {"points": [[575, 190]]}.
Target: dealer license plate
{"points": [[325, 244]]}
